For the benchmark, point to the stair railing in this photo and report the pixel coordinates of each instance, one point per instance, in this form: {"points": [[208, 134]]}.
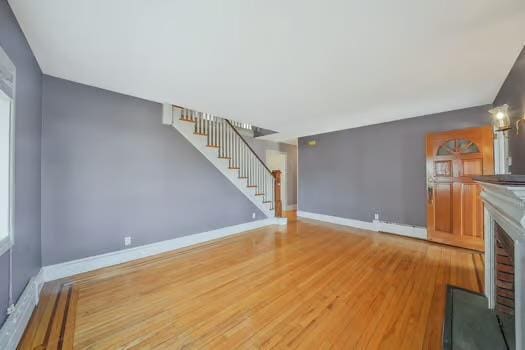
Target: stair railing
{"points": [[223, 134]]}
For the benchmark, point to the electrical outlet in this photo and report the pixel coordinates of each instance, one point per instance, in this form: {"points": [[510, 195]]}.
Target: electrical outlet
{"points": [[127, 241], [376, 216], [253, 215]]}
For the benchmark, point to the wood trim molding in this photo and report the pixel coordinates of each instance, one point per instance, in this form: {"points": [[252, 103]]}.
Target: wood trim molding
{"points": [[74, 267], [377, 226], [15, 325]]}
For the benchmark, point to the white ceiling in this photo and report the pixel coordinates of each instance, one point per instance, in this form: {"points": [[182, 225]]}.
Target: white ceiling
{"points": [[299, 66]]}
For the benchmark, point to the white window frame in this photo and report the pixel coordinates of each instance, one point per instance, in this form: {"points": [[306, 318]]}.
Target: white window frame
{"points": [[6, 64]]}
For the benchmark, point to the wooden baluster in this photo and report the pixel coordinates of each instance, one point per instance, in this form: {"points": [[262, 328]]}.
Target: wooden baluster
{"points": [[227, 130], [221, 131], [242, 160], [199, 123], [214, 138], [264, 187], [214, 141], [223, 145], [223, 142], [277, 194], [236, 152], [217, 133], [250, 168], [258, 177], [209, 131], [232, 148]]}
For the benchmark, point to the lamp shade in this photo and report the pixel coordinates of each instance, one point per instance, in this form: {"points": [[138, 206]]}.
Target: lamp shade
{"points": [[500, 118]]}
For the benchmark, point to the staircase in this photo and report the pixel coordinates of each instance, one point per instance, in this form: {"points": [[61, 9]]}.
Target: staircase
{"points": [[219, 140]]}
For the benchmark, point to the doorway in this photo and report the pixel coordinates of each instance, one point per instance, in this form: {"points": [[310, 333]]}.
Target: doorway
{"points": [[277, 160], [454, 207]]}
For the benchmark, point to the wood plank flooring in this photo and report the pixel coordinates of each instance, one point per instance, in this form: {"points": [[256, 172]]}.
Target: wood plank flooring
{"points": [[305, 286]]}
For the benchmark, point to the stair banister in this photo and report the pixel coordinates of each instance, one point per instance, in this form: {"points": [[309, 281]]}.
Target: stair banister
{"points": [[222, 134]]}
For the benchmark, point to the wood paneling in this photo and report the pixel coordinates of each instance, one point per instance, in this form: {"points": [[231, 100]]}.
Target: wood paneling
{"points": [[307, 285], [454, 207]]}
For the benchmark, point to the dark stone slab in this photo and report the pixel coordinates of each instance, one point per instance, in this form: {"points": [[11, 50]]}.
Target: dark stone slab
{"points": [[507, 180], [469, 324]]}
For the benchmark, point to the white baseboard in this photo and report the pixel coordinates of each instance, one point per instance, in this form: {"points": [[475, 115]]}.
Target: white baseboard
{"points": [[15, 325], [378, 226], [74, 267], [291, 207]]}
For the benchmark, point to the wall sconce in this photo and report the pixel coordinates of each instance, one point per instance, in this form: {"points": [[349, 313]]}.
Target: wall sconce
{"points": [[518, 125], [500, 118]]}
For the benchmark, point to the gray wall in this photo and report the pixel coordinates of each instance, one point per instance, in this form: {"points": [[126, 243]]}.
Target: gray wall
{"points": [[352, 173], [261, 146], [513, 93], [26, 251], [111, 169]]}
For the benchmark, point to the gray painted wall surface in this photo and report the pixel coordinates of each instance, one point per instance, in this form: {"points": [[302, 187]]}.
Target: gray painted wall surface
{"points": [[513, 93], [26, 251], [352, 173], [261, 146], [111, 169]]}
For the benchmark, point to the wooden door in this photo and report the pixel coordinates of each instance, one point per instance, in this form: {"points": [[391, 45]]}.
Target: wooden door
{"points": [[454, 207]]}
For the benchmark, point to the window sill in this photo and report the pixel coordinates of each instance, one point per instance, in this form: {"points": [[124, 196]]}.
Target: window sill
{"points": [[5, 244]]}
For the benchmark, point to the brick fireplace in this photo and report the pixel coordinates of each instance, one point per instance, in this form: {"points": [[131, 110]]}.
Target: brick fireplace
{"points": [[504, 200], [504, 303]]}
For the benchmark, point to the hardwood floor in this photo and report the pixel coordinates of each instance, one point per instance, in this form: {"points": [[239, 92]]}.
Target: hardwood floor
{"points": [[308, 285]]}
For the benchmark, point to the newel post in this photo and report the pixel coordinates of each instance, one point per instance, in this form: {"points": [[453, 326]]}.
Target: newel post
{"points": [[277, 195]]}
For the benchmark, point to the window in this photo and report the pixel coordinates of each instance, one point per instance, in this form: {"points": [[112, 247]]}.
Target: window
{"points": [[460, 146], [7, 88]]}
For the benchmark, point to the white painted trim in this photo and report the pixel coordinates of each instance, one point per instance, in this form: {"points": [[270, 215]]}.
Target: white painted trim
{"points": [[378, 226], [7, 64], [74, 267], [281, 221], [505, 205], [291, 207], [501, 153], [5, 244], [490, 259], [167, 114], [15, 325]]}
